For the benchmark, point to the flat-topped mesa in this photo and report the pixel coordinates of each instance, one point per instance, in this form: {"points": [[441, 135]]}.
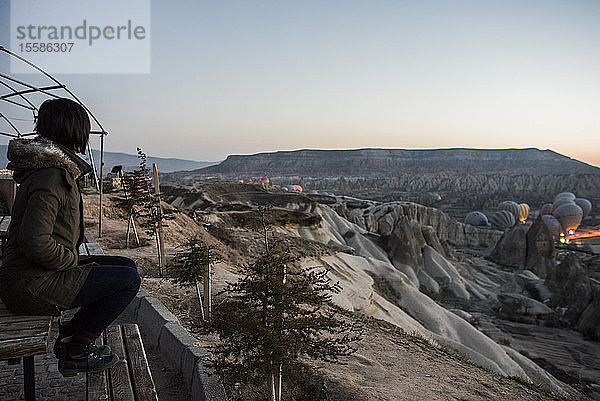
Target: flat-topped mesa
{"points": [[380, 162]]}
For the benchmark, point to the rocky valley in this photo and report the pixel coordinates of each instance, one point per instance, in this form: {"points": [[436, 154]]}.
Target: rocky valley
{"points": [[508, 301]]}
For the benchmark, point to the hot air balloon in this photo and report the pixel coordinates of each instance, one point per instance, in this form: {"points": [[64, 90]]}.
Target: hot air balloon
{"points": [[546, 209], [585, 205], [476, 219], [292, 188], [523, 212], [565, 195], [264, 181], [436, 197], [561, 201], [569, 215], [553, 224], [502, 220], [512, 207]]}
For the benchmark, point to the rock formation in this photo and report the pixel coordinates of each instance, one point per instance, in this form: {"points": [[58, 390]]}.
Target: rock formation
{"points": [[511, 250], [394, 263], [382, 219], [541, 255], [386, 162], [571, 288], [589, 321], [404, 247]]}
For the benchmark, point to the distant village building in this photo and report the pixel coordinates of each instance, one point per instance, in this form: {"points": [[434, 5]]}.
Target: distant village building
{"points": [[114, 180]]}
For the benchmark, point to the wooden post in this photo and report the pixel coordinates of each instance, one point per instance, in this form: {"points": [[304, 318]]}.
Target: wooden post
{"points": [[272, 385], [207, 290], [137, 237], [131, 226], [161, 244], [127, 232], [200, 300], [280, 372]]}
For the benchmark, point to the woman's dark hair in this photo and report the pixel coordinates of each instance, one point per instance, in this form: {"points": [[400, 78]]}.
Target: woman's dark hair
{"points": [[65, 122]]}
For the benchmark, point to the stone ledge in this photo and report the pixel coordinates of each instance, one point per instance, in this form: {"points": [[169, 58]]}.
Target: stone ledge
{"points": [[178, 347], [153, 315]]}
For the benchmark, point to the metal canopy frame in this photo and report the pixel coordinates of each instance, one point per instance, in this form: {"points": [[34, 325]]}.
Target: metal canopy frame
{"points": [[14, 92]]}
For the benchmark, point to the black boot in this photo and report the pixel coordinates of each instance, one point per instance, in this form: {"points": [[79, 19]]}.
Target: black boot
{"points": [[81, 358], [67, 329]]}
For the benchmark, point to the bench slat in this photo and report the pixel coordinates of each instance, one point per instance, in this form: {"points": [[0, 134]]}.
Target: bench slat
{"points": [[23, 335], [130, 379], [23, 347], [97, 383], [120, 383], [15, 334], [23, 325], [10, 318], [144, 385]]}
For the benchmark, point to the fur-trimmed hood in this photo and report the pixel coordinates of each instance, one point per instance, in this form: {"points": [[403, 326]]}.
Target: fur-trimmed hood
{"points": [[37, 153]]}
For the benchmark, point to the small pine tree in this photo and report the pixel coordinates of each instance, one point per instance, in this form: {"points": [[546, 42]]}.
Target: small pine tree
{"points": [[142, 203], [274, 315], [191, 265], [136, 195]]}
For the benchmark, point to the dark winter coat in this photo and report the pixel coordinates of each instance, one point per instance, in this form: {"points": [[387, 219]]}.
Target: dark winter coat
{"points": [[40, 273]]}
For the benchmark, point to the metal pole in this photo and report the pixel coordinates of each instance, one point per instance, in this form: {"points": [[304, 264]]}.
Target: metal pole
{"points": [[95, 173], [31, 105], [101, 183], [29, 378], [4, 49]]}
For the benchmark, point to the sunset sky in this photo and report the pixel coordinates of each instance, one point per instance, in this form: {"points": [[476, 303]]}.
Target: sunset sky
{"points": [[231, 77]]}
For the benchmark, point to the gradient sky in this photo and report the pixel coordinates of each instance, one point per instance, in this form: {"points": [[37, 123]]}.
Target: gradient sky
{"points": [[245, 76]]}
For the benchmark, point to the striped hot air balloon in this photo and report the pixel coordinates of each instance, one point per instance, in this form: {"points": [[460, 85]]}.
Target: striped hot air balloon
{"points": [[569, 215], [502, 220], [523, 212], [562, 198], [565, 195], [546, 209], [476, 219], [561, 201], [585, 205], [512, 207], [552, 224]]}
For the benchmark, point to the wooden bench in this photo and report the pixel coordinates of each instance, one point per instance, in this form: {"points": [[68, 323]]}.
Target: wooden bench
{"points": [[21, 338], [130, 379]]}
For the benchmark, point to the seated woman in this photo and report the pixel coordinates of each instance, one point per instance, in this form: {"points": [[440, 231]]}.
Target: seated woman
{"points": [[41, 272]]}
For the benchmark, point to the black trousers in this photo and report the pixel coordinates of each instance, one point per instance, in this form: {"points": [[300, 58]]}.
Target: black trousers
{"points": [[108, 289]]}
